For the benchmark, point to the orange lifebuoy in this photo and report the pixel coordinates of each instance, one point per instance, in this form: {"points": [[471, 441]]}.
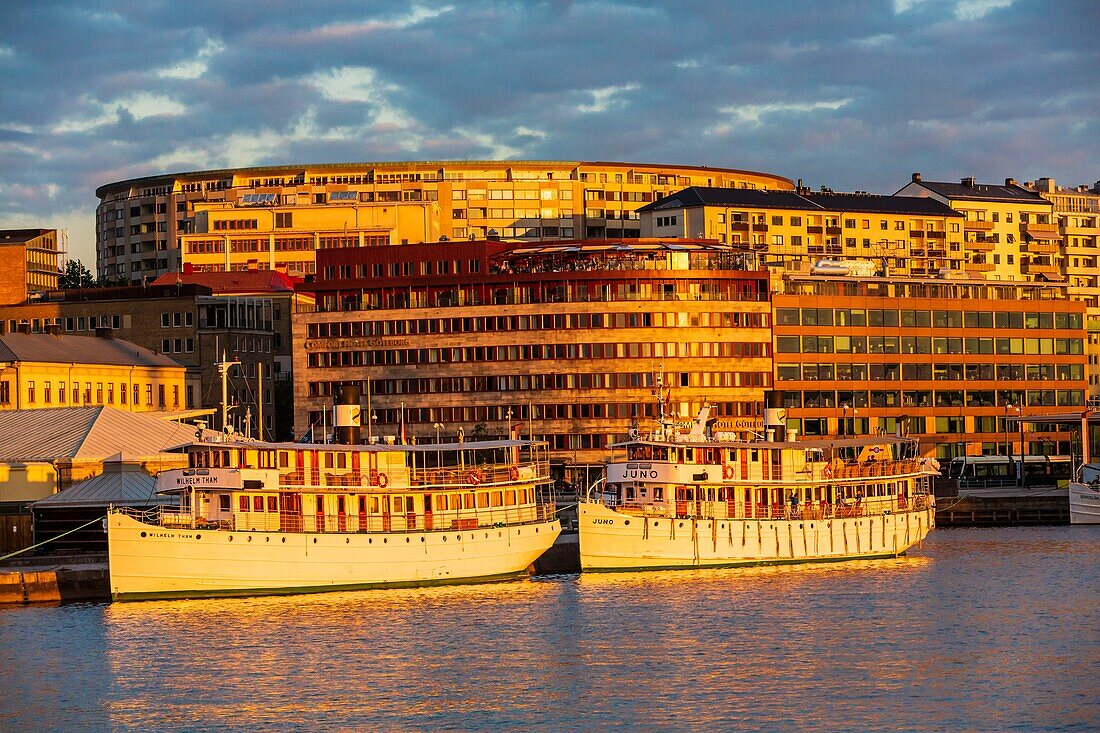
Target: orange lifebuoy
{"points": [[827, 472], [473, 477], [383, 480], [514, 473], [727, 471]]}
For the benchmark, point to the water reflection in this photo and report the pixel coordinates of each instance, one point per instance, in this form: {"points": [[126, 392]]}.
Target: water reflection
{"points": [[983, 630]]}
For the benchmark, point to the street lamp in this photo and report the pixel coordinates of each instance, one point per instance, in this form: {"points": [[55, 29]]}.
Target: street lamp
{"points": [[438, 450], [508, 419], [845, 409]]}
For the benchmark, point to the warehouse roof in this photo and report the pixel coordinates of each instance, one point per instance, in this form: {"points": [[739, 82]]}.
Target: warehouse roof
{"points": [[63, 348]]}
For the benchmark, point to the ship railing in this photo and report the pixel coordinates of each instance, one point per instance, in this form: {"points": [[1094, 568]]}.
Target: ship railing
{"points": [[860, 507], [867, 469], [392, 522]]}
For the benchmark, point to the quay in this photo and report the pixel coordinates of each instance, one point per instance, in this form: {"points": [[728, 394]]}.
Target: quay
{"points": [[55, 579], [1001, 511]]}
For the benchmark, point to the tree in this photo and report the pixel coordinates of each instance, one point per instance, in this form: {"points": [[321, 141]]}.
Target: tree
{"points": [[76, 275]]}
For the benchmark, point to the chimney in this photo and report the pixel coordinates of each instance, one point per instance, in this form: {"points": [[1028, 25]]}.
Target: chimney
{"points": [[1010, 181], [1096, 187], [916, 177], [1046, 185], [104, 332], [23, 327], [54, 329], [968, 181]]}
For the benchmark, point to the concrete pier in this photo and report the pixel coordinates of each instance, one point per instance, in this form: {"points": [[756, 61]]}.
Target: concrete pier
{"points": [[54, 583], [1016, 511]]}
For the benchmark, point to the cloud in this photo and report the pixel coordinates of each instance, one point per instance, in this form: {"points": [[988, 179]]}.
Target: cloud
{"points": [[196, 67], [845, 94], [138, 106], [605, 98]]}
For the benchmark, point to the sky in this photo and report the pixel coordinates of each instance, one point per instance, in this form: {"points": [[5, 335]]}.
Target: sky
{"points": [[849, 95]]}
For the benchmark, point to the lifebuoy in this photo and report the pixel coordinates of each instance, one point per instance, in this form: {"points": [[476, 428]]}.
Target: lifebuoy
{"points": [[473, 477], [514, 473], [727, 471], [383, 480], [827, 472]]}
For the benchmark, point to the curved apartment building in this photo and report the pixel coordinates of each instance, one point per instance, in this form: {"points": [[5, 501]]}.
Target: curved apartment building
{"points": [[277, 217]]}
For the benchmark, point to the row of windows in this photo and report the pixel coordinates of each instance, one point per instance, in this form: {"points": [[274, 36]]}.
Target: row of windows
{"points": [[470, 354], [69, 323], [178, 319], [104, 394], [939, 398], [544, 322], [925, 345], [545, 382], [924, 319], [236, 224], [984, 372]]}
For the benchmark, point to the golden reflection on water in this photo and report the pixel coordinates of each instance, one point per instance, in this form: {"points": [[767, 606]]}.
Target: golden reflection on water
{"points": [[983, 630]]}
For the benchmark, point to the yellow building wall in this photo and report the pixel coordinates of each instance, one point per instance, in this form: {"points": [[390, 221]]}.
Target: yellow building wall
{"points": [[23, 482], [29, 385]]}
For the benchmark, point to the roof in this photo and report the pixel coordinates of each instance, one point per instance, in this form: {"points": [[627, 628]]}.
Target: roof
{"points": [[252, 281], [120, 483], [87, 433], [983, 192], [20, 236], [696, 196], [64, 348], [873, 203]]}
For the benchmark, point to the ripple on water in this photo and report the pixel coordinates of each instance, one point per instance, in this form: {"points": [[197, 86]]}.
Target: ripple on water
{"points": [[981, 630]]}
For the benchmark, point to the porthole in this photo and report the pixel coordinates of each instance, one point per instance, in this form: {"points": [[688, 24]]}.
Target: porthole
{"points": [[459, 537], [198, 536], [681, 524], [421, 539], [800, 525], [249, 538], [536, 530], [267, 539], [444, 538], [142, 534], [370, 540], [407, 540], [315, 540], [284, 540], [230, 538], [626, 522], [722, 525], [347, 540], [500, 534], [811, 526], [385, 540]]}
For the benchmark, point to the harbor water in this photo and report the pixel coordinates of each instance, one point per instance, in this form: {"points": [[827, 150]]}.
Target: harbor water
{"points": [[980, 629]]}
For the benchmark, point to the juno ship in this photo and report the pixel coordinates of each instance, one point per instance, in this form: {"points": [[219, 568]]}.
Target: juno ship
{"points": [[683, 498], [273, 518]]}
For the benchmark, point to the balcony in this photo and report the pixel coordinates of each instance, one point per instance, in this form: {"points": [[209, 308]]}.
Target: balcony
{"points": [[814, 230], [977, 266], [1032, 268], [916, 233], [984, 226], [1043, 247], [936, 235], [937, 251], [760, 227], [834, 231], [985, 244], [739, 226], [1040, 231]]}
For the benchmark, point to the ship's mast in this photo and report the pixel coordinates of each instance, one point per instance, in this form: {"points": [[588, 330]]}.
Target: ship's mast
{"points": [[223, 371]]}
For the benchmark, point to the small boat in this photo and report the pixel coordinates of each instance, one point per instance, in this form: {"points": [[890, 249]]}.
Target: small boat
{"points": [[1084, 496], [276, 518], [681, 497]]}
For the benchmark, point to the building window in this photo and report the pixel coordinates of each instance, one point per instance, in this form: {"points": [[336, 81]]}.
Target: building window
{"points": [[160, 395], [284, 219], [30, 392], [137, 395]]}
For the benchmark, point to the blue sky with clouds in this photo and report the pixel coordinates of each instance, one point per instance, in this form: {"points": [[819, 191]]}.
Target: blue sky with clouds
{"points": [[852, 95]]}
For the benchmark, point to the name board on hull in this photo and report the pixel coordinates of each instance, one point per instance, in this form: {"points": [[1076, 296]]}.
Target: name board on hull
{"points": [[353, 343], [204, 478], [662, 473]]}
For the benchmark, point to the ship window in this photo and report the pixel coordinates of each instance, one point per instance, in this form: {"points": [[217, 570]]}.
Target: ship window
{"points": [[629, 492], [658, 493], [257, 503], [328, 460], [495, 498], [341, 460], [362, 505], [482, 499], [284, 459], [272, 504], [374, 504], [340, 504], [468, 501], [510, 498]]}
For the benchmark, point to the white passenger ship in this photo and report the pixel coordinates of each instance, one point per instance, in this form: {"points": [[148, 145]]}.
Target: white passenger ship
{"points": [[687, 499], [267, 518]]}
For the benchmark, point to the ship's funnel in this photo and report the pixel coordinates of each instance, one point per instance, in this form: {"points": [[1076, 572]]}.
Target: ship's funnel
{"points": [[348, 426], [775, 419]]}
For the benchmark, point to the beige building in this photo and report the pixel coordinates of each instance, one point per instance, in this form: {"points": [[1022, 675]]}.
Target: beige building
{"points": [[54, 370], [1007, 227], [31, 263], [1077, 212], [277, 217], [806, 231]]}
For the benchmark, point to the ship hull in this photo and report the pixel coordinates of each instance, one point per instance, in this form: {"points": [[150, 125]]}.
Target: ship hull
{"points": [[612, 541], [1084, 504], [151, 562]]}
